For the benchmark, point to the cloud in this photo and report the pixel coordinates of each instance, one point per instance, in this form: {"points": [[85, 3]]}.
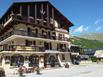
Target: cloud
{"points": [[86, 28], [98, 28], [80, 29], [98, 21]]}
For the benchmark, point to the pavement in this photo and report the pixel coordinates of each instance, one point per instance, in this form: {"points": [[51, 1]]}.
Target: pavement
{"points": [[87, 70]]}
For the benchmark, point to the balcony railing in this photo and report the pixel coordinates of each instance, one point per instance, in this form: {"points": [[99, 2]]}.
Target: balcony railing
{"points": [[31, 34], [58, 49], [6, 35], [31, 20], [29, 48], [39, 35], [21, 48]]}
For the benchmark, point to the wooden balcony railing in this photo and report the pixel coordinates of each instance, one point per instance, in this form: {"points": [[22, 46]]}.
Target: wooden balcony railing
{"points": [[25, 33], [21, 48], [32, 34], [39, 35], [29, 48], [29, 20]]}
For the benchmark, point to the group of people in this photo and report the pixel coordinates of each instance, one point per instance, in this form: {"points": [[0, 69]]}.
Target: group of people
{"points": [[23, 69]]}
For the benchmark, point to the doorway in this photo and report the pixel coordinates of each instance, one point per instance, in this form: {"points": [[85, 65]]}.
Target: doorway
{"points": [[17, 60], [34, 60], [52, 61]]}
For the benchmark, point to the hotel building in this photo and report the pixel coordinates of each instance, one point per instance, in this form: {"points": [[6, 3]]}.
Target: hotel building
{"points": [[34, 34]]}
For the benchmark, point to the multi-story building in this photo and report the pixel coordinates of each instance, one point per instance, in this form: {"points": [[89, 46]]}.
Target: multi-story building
{"points": [[34, 34]]}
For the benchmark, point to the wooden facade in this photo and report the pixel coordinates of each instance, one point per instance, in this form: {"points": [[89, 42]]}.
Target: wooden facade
{"points": [[35, 28]]}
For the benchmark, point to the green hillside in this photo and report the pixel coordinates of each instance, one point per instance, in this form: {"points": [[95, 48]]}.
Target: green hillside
{"points": [[93, 36], [85, 43]]}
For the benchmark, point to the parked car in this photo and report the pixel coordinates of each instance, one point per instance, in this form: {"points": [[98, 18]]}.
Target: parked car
{"points": [[84, 57]]}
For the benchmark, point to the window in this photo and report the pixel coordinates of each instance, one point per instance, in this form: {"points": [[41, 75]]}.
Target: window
{"points": [[64, 45], [32, 10], [28, 43], [63, 57], [38, 11], [29, 30], [49, 35], [34, 43], [25, 10], [50, 46], [7, 59], [60, 37], [36, 32]]}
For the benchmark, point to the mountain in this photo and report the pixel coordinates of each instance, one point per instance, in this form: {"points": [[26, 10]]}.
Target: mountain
{"points": [[86, 43], [93, 36]]}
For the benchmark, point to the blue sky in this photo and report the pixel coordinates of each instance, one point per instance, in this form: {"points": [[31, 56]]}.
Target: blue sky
{"points": [[86, 15]]}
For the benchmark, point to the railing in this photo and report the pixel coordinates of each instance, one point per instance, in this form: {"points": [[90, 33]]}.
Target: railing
{"points": [[21, 48], [24, 33], [31, 20], [31, 34], [29, 48], [40, 35], [59, 50], [23, 18], [6, 35]]}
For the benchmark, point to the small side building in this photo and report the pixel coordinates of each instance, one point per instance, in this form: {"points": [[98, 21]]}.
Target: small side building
{"points": [[99, 55]]}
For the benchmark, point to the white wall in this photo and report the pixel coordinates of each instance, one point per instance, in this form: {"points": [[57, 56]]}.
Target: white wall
{"points": [[67, 57]]}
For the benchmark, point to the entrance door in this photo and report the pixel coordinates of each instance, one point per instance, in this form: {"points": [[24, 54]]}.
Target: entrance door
{"points": [[52, 61], [34, 60], [46, 56]]}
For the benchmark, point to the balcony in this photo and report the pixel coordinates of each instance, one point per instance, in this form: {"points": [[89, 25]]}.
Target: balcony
{"points": [[56, 50], [32, 34], [39, 35], [21, 48], [32, 21], [25, 48], [26, 20]]}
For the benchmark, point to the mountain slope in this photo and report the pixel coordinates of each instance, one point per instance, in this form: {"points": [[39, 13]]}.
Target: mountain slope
{"points": [[85, 43], [93, 36]]}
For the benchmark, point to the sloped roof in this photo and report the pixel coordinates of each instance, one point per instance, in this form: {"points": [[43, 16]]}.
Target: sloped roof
{"points": [[67, 22], [99, 54]]}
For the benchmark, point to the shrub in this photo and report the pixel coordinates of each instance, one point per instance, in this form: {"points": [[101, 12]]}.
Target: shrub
{"points": [[2, 72], [93, 58]]}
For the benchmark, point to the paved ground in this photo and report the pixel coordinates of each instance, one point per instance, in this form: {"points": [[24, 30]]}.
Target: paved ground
{"points": [[91, 70]]}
